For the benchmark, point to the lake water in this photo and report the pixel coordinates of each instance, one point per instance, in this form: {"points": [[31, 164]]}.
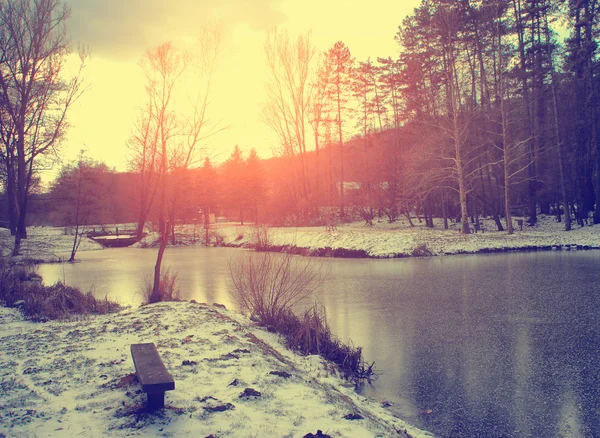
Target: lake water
{"points": [[497, 345]]}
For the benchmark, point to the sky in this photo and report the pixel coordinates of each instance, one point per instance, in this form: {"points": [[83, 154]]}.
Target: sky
{"points": [[119, 32]]}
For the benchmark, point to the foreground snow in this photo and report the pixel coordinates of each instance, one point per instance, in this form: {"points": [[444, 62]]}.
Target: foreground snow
{"points": [[76, 379]]}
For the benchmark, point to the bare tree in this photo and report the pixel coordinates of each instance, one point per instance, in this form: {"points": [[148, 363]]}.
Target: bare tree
{"points": [[179, 129], [81, 191], [511, 151], [269, 285], [143, 160], [290, 67], [35, 97], [341, 64], [319, 116]]}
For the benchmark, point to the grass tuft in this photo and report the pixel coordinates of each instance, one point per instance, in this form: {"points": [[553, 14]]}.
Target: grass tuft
{"points": [[21, 288], [168, 289], [269, 285]]}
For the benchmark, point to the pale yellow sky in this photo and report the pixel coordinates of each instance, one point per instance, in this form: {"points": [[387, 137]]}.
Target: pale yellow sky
{"points": [[118, 32]]}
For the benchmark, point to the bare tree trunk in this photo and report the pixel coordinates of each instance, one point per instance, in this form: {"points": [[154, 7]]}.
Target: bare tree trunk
{"points": [[156, 292], [139, 230], [341, 142], [558, 143], [505, 146]]}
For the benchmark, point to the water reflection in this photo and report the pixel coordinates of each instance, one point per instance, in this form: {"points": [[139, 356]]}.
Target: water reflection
{"points": [[499, 345]]}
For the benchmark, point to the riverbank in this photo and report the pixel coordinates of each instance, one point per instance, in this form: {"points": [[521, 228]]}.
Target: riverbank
{"points": [[45, 244], [353, 240], [384, 240], [77, 379]]}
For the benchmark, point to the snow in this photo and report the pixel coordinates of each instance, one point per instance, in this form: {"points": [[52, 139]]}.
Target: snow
{"points": [[48, 244], [399, 239], [76, 378], [381, 240]]}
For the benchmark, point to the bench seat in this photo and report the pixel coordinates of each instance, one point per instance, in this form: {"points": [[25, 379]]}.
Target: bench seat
{"points": [[152, 374]]}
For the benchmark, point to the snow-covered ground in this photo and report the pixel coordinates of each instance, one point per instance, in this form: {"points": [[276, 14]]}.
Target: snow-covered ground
{"points": [[399, 239], [45, 243], [381, 240], [77, 379]]}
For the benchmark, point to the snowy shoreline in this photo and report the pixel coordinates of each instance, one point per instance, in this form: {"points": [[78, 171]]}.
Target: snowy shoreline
{"points": [[74, 378], [400, 240], [353, 240]]}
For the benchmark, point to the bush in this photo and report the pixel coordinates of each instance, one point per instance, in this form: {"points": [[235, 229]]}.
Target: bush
{"points": [[421, 250], [268, 285], [19, 287], [214, 236], [167, 288], [366, 213], [261, 240]]}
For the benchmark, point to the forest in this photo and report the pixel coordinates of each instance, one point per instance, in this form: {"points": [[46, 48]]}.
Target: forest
{"points": [[489, 109]]}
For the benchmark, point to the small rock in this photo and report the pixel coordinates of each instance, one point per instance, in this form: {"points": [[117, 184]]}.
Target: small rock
{"points": [[319, 434], [220, 306], [353, 416], [235, 382], [241, 350], [229, 356], [219, 408], [385, 404], [250, 392], [193, 302], [283, 374], [189, 362]]}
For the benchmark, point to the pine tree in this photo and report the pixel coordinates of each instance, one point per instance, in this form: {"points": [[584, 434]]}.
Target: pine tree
{"points": [[341, 63]]}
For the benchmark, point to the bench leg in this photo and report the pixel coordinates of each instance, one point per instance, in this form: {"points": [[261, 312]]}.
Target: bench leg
{"points": [[156, 400]]}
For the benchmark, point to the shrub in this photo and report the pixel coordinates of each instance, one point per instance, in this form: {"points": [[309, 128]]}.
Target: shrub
{"points": [[421, 250], [261, 240], [42, 303], [268, 285], [239, 235], [167, 287], [60, 301], [366, 213], [214, 236]]}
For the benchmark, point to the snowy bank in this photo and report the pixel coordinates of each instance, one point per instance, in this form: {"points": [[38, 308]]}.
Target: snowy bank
{"points": [[48, 244], [382, 240], [76, 379], [399, 239]]}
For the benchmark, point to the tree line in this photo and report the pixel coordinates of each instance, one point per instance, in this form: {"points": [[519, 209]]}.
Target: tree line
{"points": [[490, 108], [487, 110]]}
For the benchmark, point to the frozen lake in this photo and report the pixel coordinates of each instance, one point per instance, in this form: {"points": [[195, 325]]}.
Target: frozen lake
{"points": [[477, 345]]}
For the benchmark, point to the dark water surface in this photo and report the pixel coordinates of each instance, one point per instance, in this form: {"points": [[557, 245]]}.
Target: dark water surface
{"points": [[497, 345]]}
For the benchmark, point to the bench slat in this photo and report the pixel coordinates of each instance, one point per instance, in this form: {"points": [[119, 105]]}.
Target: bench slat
{"points": [[150, 370]]}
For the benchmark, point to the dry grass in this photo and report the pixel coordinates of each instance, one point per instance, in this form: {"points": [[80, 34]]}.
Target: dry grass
{"points": [[310, 334], [19, 287], [269, 285], [167, 289], [261, 240]]}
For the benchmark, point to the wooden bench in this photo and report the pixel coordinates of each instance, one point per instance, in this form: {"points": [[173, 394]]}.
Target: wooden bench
{"points": [[152, 374]]}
